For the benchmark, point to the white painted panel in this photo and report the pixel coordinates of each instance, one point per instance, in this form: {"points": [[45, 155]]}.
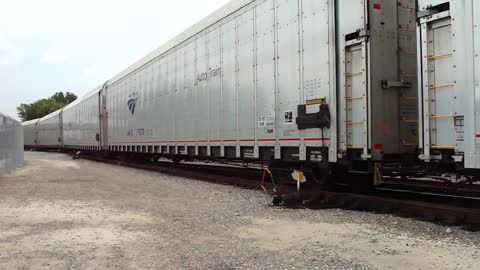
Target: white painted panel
{"points": [[229, 95], [214, 86], [202, 102], [246, 84], [288, 71], [317, 66], [265, 71]]}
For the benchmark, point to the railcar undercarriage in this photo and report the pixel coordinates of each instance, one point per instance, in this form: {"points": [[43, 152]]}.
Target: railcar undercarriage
{"points": [[442, 178]]}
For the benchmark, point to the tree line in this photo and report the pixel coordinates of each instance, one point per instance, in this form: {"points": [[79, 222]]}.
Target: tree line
{"points": [[42, 107]]}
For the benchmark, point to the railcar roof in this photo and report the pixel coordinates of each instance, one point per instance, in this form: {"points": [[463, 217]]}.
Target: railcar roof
{"points": [[218, 15], [213, 18], [8, 117], [30, 122], [84, 97], [53, 114]]}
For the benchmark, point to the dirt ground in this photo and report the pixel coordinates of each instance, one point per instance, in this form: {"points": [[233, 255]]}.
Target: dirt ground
{"points": [[59, 213]]}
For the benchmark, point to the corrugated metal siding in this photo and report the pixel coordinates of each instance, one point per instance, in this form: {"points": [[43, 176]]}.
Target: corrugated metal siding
{"points": [[11, 144], [223, 12], [81, 122], [49, 131], [449, 56], [231, 85], [30, 133]]}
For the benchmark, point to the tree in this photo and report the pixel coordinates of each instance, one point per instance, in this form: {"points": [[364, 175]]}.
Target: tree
{"points": [[66, 98], [42, 107]]}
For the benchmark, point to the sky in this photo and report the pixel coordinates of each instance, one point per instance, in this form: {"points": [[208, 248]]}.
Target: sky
{"points": [[64, 45]]}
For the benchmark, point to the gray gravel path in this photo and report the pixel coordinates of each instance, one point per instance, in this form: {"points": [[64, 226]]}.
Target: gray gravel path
{"points": [[59, 213]]}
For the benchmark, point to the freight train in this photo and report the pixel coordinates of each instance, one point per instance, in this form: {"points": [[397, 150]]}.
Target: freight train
{"points": [[380, 88]]}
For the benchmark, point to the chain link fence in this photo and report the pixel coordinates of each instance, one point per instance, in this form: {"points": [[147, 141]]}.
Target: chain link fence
{"points": [[11, 144]]}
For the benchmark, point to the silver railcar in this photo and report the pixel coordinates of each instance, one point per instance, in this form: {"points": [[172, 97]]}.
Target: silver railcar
{"points": [[80, 121], [50, 131], [319, 85], [319, 82], [30, 133], [449, 74], [297, 80]]}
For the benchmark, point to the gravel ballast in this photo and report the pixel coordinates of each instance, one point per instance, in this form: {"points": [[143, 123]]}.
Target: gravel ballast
{"points": [[59, 213]]}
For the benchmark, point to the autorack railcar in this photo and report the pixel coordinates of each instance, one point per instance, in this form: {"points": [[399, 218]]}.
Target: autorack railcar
{"points": [[302, 81], [449, 74], [319, 85], [30, 133], [81, 124], [50, 131], [299, 81]]}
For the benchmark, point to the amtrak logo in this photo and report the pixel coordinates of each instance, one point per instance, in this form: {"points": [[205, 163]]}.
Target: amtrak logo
{"points": [[132, 103]]}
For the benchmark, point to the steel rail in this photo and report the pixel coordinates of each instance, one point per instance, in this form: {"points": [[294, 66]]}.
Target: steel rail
{"points": [[412, 204]]}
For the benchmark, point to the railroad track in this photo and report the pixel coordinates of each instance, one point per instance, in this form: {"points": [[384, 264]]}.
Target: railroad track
{"points": [[412, 204]]}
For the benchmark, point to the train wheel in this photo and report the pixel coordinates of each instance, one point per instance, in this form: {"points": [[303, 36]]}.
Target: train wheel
{"points": [[322, 176], [176, 160]]}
